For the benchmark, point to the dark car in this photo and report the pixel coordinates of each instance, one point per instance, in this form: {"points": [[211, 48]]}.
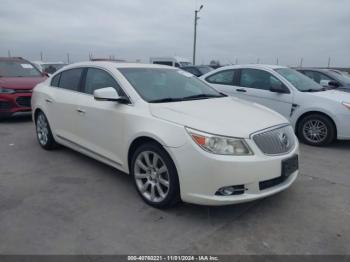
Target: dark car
{"points": [[18, 77], [197, 70], [329, 78]]}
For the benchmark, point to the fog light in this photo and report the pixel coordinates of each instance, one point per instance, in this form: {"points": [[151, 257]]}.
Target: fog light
{"points": [[227, 191], [231, 190]]}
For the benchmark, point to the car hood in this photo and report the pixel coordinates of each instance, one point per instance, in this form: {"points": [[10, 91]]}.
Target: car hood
{"points": [[227, 116], [20, 82], [334, 95]]}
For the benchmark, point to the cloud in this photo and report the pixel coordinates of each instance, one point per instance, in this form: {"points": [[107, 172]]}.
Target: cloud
{"points": [[137, 29]]}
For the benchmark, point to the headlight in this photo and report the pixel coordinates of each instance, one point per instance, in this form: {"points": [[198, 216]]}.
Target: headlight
{"points": [[6, 91], [220, 145], [347, 105]]}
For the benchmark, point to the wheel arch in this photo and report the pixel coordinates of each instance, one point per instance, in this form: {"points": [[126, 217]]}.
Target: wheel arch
{"points": [[316, 113], [138, 141], [36, 112]]}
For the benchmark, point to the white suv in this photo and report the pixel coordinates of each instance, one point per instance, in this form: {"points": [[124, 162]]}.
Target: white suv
{"points": [[178, 137], [318, 115]]}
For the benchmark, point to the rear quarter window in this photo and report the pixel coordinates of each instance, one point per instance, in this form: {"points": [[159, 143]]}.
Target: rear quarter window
{"points": [[56, 80]]}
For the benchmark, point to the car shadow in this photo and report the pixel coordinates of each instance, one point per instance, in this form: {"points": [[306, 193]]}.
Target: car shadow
{"points": [[337, 145], [16, 119], [211, 214]]}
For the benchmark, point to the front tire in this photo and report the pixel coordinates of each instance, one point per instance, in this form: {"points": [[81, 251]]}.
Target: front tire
{"points": [[155, 176], [316, 130], [43, 132]]}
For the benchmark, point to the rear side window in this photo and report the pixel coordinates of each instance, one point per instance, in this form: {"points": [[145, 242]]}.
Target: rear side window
{"points": [[70, 79], [222, 78], [97, 79], [55, 80]]}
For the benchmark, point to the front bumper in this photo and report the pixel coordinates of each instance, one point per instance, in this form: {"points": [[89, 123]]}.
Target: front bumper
{"points": [[11, 104], [343, 126], [201, 174]]}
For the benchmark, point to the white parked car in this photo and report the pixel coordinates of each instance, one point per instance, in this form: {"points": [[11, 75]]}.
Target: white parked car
{"points": [[318, 115], [175, 61], [178, 137]]}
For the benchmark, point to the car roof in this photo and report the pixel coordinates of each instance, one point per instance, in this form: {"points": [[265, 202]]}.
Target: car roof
{"points": [[258, 66], [46, 63], [12, 59], [312, 68], [117, 65]]}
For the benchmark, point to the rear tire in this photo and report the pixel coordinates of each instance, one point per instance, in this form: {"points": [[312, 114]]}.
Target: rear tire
{"points": [[155, 176], [316, 130], [43, 132]]}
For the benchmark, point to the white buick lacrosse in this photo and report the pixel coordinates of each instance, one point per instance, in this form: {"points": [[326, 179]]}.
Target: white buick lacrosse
{"points": [[178, 138]]}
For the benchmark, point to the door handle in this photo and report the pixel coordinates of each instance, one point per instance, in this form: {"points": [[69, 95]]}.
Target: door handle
{"points": [[48, 100], [241, 90], [81, 111]]}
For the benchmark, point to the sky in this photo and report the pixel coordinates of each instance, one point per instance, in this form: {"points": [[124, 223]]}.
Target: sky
{"points": [[243, 31]]}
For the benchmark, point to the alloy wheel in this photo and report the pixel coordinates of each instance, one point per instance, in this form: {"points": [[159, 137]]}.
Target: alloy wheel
{"points": [[42, 129], [315, 131], [152, 176]]}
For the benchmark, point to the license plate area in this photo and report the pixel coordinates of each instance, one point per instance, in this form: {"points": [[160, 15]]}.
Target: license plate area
{"points": [[289, 166]]}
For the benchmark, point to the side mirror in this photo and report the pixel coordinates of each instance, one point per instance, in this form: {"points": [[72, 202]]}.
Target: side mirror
{"points": [[329, 83], [109, 94]]}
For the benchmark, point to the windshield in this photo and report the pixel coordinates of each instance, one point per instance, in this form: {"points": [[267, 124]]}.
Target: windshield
{"points": [[51, 68], [299, 81], [341, 76], [205, 69], [167, 85], [18, 69], [185, 63]]}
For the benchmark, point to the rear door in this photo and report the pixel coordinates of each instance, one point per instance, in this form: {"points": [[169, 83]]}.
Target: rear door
{"points": [[62, 104]]}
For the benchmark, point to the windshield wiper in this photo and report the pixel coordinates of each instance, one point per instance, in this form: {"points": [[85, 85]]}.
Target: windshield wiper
{"points": [[166, 100], [201, 96], [314, 90], [186, 98]]}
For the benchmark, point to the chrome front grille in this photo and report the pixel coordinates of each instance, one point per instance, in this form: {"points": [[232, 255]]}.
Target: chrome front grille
{"points": [[276, 141]]}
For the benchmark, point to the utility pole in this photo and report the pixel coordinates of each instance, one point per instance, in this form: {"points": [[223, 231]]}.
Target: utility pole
{"points": [[329, 62], [68, 58], [41, 55], [195, 33], [277, 62], [301, 62]]}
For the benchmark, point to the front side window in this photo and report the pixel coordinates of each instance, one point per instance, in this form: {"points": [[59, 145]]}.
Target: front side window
{"points": [[258, 79], [222, 78], [18, 69], [299, 81], [70, 79], [167, 85], [97, 79]]}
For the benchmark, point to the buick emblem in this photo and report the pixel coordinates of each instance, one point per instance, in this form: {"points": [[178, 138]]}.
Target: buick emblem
{"points": [[283, 139]]}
